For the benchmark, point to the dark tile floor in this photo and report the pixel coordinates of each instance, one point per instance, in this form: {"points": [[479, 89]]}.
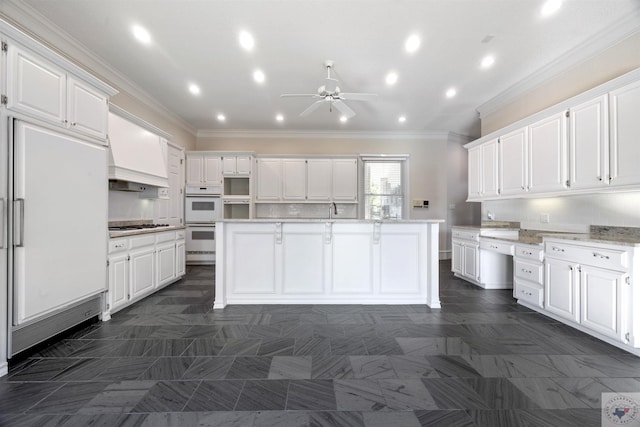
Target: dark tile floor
{"points": [[169, 360]]}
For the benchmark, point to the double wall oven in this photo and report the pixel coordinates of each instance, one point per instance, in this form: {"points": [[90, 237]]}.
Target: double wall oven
{"points": [[203, 207]]}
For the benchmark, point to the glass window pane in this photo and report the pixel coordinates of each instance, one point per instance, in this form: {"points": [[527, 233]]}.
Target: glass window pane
{"points": [[383, 189]]}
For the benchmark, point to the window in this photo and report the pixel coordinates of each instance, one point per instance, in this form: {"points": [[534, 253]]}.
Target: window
{"points": [[384, 188]]}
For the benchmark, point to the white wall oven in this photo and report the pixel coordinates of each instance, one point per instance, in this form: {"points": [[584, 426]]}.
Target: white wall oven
{"points": [[203, 207]]}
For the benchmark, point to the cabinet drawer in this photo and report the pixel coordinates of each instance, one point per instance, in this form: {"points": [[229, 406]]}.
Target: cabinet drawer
{"points": [[141, 241], [529, 252], [180, 235], [466, 235], [496, 246], [168, 236], [531, 271], [118, 245], [589, 255], [528, 292]]}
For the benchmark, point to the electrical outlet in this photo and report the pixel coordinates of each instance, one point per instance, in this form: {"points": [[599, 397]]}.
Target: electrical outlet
{"points": [[544, 218], [491, 216]]}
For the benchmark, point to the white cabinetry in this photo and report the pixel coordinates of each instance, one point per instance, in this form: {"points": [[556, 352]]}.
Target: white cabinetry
{"points": [[513, 155], [269, 185], [345, 180], [294, 179], [465, 254], [548, 154], [589, 285], [320, 179], [625, 135], [39, 88], [170, 210], [203, 169], [237, 165], [483, 171], [528, 274], [141, 264], [589, 144]]}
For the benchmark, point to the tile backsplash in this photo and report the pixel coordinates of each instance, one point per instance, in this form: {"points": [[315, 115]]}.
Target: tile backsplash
{"points": [[305, 210]]}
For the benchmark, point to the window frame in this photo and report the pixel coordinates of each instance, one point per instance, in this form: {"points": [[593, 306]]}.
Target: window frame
{"points": [[404, 176]]}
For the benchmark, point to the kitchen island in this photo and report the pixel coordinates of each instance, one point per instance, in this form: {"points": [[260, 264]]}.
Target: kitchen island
{"points": [[293, 261]]}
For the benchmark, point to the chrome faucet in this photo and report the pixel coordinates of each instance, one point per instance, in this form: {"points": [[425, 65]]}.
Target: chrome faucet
{"points": [[333, 210]]}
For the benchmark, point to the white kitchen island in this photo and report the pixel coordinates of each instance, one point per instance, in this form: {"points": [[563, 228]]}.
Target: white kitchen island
{"points": [[294, 261]]}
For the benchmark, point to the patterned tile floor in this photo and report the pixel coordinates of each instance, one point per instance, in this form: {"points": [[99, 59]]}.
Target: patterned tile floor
{"points": [[169, 360]]}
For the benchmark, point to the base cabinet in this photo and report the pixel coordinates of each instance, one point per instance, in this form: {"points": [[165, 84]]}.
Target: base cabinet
{"points": [[561, 289], [140, 265]]}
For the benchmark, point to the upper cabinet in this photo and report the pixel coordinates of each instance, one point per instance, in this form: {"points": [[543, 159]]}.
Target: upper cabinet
{"points": [[625, 135], [40, 88], [269, 180], [236, 165], [345, 180], [590, 145], [203, 169]]}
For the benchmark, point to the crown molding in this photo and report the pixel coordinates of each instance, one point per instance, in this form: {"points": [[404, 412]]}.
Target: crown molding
{"points": [[299, 134], [37, 26], [597, 43]]}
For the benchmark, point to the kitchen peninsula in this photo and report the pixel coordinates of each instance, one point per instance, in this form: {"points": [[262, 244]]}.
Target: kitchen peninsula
{"points": [[315, 261]]}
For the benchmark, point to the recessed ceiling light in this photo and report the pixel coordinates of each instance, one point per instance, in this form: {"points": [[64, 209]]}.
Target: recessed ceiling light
{"points": [[487, 61], [451, 92], [343, 119], [258, 76], [280, 118], [402, 119], [194, 89], [391, 78], [221, 117], [412, 44], [550, 7], [246, 40], [141, 34]]}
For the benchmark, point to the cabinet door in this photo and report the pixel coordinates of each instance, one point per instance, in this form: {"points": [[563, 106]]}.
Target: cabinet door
{"points": [[229, 165], [195, 170], [118, 281], [142, 265], [35, 86], [625, 135], [269, 179], [319, 178], [513, 162], [602, 302], [457, 255], [474, 176], [243, 165], [294, 180], [175, 169], [561, 289], [589, 144], [181, 267], [166, 264], [212, 171], [489, 169], [470, 261], [345, 180], [548, 154], [88, 109]]}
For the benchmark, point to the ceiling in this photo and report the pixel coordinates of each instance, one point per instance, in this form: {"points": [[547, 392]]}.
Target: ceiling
{"points": [[196, 41]]}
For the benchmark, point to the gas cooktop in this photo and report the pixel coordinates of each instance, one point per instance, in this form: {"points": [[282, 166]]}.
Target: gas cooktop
{"points": [[138, 227]]}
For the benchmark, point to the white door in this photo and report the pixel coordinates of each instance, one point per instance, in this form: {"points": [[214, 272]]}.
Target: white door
{"points": [[166, 263], [319, 179], [589, 144], [470, 261], [561, 290], [625, 146], [602, 302], [548, 154], [269, 179], [513, 162], [474, 173], [35, 86], [181, 267], [345, 180], [118, 281], [171, 210], [61, 238], [142, 269], [88, 109], [294, 179], [489, 162], [457, 255]]}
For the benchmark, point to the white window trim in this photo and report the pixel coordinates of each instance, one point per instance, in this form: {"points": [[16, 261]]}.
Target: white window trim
{"points": [[406, 201]]}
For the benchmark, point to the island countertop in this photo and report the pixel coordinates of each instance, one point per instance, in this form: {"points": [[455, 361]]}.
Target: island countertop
{"points": [[335, 220]]}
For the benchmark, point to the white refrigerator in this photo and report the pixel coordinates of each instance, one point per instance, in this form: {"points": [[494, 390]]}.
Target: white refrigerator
{"points": [[56, 232]]}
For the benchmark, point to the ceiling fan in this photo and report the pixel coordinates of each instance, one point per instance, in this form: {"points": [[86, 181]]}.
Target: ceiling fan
{"points": [[329, 93]]}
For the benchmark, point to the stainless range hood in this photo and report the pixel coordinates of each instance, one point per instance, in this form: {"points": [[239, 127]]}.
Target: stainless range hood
{"points": [[136, 154]]}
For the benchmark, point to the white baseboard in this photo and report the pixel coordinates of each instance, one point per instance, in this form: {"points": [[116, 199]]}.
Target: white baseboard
{"points": [[444, 255], [4, 369]]}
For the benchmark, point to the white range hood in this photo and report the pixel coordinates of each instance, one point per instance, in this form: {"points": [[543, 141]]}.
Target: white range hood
{"points": [[136, 154]]}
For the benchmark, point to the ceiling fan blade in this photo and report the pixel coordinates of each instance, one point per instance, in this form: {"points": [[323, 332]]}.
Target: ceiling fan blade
{"points": [[298, 95], [359, 96], [330, 84], [311, 108], [344, 108]]}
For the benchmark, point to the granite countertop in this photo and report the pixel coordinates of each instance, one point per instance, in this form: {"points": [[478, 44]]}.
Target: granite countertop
{"points": [[334, 220], [627, 236], [491, 225]]}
